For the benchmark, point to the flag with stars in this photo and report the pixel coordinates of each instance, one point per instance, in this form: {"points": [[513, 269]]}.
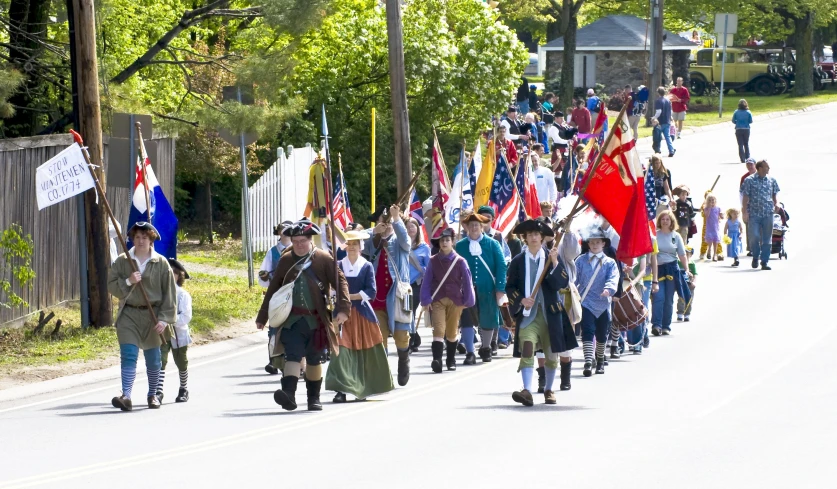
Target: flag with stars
{"points": [[417, 213], [503, 198], [651, 200]]}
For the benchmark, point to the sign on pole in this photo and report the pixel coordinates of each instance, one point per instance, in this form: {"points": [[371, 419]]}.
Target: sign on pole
{"points": [[62, 177], [731, 21]]}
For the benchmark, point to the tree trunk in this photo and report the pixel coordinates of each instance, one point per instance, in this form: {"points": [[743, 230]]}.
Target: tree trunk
{"points": [[208, 190], [804, 36], [568, 64], [30, 16], [553, 31]]}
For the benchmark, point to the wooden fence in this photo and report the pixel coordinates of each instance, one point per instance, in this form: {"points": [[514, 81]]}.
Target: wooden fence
{"points": [[280, 194], [54, 230]]}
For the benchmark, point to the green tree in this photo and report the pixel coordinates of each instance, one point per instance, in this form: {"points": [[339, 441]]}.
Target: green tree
{"points": [[16, 250]]}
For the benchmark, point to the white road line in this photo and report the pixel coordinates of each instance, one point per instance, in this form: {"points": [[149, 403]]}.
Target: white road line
{"points": [[256, 434]]}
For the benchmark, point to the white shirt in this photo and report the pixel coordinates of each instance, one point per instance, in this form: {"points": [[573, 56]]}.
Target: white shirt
{"points": [[141, 266], [545, 183], [509, 135], [184, 316], [554, 137]]}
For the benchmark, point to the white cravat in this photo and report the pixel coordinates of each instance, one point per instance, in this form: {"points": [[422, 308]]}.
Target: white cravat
{"points": [[600, 256], [540, 258], [474, 246]]}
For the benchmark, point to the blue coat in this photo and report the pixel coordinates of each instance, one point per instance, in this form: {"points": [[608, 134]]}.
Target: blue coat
{"points": [[484, 287], [398, 252], [422, 253]]}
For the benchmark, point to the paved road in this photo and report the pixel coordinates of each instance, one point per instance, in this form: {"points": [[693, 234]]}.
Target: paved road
{"points": [[743, 396]]}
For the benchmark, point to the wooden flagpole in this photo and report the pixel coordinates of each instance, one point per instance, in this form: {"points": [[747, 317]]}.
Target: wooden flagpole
{"points": [[577, 206], [77, 137]]}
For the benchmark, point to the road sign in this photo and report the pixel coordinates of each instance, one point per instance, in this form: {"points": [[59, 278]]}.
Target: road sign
{"points": [[731, 23]]}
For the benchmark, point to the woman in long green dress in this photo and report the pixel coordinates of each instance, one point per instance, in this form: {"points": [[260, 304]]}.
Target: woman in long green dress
{"points": [[361, 368]]}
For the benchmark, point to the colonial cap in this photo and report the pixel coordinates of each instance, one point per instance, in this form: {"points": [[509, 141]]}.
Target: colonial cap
{"points": [[534, 225], [445, 233], [144, 226], [303, 227], [178, 266], [486, 209]]}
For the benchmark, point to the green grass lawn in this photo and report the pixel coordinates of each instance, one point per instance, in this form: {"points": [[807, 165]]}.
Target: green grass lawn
{"points": [[758, 105], [225, 253], [216, 301]]}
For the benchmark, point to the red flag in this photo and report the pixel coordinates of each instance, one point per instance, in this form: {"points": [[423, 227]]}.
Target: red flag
{"points": [[441, 191], [616, 190]]}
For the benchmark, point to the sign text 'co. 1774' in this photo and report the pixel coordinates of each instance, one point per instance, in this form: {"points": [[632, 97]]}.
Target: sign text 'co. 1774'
{"points": [[62, 177]]}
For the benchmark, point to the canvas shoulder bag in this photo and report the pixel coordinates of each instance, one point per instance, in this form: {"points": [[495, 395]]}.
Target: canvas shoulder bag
{"points": [[279, 307], [403, 300]]}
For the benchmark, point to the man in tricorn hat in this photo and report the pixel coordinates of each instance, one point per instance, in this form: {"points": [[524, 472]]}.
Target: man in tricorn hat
{"points": [[135, 327], [271, 260], [538, 314], [389, 253], [488, 271], [309, 329]]}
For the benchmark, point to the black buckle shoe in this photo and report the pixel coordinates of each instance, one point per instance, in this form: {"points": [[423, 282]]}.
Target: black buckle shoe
{"points": [[339, 398], [450, 361], [600, 365], [588, 369], [122, 403], [566, 370], [313, 389], [470, 359], [269, 368], [403, 367], [182, 395]]}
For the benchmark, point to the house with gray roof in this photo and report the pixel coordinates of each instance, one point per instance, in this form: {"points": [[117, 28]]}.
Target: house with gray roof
{"points": [[614, 51]]}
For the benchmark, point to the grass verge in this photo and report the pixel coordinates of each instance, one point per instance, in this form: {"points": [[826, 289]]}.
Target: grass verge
{"points": [[225, 253], [216, 301], [758, 105]]}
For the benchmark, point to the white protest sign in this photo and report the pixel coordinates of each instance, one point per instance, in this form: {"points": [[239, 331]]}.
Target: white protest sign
{"points": [[62, 177]]}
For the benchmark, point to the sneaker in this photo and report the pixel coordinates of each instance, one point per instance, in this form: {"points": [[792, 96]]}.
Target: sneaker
{"points": [[686, 318], [666, 332], [678, 135], [679, 318], [502, 345], [755, 263], [656, 331], [637, 350], [702, 257], [735, 264]]}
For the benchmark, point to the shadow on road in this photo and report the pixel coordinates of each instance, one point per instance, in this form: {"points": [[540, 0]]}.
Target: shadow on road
{"points": [[81, 405], [94, 413], [255, 392], [517, 407]]}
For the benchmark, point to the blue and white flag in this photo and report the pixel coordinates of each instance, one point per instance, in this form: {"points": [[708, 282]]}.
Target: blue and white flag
{"points": [[149, 199], [461, 188]]}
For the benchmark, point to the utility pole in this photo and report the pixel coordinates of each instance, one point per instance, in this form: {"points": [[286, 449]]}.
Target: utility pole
{"points": [[90, 122], [655, 62], [398, 89]]}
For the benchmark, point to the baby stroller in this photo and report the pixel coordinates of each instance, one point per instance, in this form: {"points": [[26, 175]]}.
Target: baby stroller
{"points": [[780, 227]]}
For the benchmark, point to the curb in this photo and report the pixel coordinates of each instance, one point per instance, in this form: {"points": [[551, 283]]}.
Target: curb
{"points": [[114, 373]]}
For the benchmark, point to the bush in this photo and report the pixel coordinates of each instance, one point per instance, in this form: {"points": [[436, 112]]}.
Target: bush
{"points": [[16, 251]]}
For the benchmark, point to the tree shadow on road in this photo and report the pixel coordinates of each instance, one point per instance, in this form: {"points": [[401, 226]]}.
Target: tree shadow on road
{"points": [[93, 413], [82, 405]]}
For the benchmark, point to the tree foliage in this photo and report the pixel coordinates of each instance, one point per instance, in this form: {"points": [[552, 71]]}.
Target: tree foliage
{"points": [[16, 249]]}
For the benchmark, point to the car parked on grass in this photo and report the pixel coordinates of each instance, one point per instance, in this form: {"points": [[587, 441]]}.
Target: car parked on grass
{"points": [[743, 72]]}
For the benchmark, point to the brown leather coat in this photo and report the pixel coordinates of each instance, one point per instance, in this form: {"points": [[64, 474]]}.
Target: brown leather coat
{"points": [[322, 264]]}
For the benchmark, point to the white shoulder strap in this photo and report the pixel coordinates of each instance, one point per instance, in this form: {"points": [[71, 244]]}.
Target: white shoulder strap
{"points": [[442, 282], [590, 283], [487, 268]]}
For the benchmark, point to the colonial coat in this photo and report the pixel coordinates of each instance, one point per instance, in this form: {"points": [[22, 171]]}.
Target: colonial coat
{"points": [[556, 279], [322, 266], [134, 325], [485, 286], [398, 256]]}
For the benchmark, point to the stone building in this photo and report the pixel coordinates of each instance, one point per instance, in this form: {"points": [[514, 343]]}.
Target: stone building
{"points": [[614, 52]]}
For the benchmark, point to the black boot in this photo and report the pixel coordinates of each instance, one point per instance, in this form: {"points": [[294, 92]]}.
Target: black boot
{"points": [[437, 348], [403, 367], [493, 348], [588, 368], [614, 351], [470, 359], [461, 349], [600, 365], [541, 379], [313, 388], [415, 342], [566, 370], [286, 396], [485, 354], [450, 361]]}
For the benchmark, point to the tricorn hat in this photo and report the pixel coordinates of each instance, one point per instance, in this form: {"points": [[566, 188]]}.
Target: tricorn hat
{"points": [[178, 266], [303, 227], [445, 233], [377, 214], [277, 229], [594, 232], [537, 225], [474, 218], [144, 226]]}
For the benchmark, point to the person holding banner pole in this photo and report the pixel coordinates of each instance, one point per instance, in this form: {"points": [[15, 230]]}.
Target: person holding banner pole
{"points": [[160, 323]]}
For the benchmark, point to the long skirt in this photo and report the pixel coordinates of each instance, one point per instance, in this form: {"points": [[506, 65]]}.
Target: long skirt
{"points": [[361, 367]]}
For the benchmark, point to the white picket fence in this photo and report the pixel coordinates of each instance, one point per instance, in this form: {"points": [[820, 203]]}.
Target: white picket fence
{"points": [[279, 195]]}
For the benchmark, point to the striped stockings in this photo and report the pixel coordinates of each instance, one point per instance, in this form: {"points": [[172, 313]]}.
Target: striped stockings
{"points": [[184, 378], [128, 376], [153, 380], [588, 350]]}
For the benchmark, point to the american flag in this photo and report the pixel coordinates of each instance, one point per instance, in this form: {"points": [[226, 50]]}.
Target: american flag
{"points": [[651, 200], [520, 184], [417, 213], [340, 203], [503, 198]]}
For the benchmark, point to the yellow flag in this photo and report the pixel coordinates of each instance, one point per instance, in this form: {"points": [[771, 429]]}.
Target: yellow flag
{"points": [[486, 177]]}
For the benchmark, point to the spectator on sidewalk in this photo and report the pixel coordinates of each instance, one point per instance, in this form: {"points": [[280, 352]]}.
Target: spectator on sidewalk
{"points": [[679, 104], [581, 117], [636, 109], [662, 112], [760, 202], [523, 96]]}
